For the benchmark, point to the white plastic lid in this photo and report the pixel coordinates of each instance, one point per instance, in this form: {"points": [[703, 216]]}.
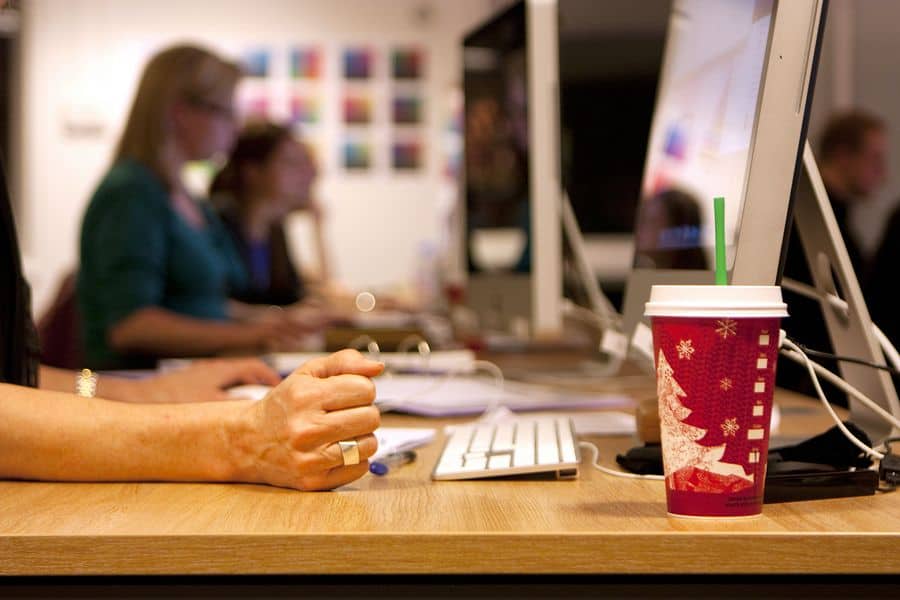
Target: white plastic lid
{"points": [[737, 301]]}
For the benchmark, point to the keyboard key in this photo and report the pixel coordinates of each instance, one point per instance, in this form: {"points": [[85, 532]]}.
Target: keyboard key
{"points": [[524, 452], [566, 443], [547, 444], [474, 463], [503, 438], [481, 441], [500, 461]]}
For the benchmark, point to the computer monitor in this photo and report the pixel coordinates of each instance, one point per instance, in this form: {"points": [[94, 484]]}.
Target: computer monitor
{"points": [[513, 242], [730, 120], [610, 57]]}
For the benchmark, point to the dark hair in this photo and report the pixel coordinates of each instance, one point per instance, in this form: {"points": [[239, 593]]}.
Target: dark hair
{"points": [[846, 132], [18, 339], [255, 145]]}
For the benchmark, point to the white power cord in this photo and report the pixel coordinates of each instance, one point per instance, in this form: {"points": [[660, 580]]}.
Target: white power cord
{"points": [[812, 293], [793, 351], [595, 458], [796, 354]]}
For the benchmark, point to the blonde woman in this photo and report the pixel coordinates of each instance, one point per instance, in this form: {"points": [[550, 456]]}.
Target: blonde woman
{"points": [[157, 267]]}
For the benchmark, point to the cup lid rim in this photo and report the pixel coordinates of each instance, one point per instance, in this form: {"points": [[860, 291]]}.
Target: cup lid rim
{"points": [[716, 300]]}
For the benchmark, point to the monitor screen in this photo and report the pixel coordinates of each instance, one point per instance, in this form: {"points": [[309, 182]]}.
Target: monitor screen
{"points": [[610, 56], [702, 131], [496, 134]]}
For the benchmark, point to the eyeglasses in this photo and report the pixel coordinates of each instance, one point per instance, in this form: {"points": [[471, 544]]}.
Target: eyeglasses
{"points": [[217, 109]]}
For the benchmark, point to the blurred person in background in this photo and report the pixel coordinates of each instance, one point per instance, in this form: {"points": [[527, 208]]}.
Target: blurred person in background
{"points": [[852, 158], [157, 267], [269, 174]]}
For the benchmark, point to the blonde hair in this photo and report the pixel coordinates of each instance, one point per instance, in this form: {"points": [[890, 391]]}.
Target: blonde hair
{"points": [[182, 72]]}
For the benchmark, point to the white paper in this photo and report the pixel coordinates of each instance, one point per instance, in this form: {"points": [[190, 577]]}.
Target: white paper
{"points": [[398, 439], [437, 396]]}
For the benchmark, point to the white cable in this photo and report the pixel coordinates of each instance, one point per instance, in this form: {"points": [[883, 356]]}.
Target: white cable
{"points": [[595, 452], [889, 350], [493, 400], [840, 383], [590, 316], [794, 352], [812, 293], [613, 359]]}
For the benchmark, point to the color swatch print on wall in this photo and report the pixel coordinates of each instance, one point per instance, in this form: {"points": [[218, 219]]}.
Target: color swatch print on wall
{"points": [[306, 62], [357, 155], [305, 110], [253, 106], [358, 62], [256, 62], [407, 155], [357, 109], [407, 109], [407, 62]]}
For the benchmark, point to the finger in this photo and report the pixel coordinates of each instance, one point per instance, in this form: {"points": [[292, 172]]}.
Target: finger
{"points": [[330, 456], [339, 425], [336, 477], [347, 391], [343, 362]]}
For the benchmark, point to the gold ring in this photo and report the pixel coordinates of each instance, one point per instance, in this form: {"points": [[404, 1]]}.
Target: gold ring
{"points": [[349, 452]]}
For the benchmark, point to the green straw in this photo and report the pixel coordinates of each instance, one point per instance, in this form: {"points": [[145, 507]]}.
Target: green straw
{"points": [[721, 272]]}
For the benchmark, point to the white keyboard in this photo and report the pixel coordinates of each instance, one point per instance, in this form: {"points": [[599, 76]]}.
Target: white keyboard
{"points": [[517, 446]]}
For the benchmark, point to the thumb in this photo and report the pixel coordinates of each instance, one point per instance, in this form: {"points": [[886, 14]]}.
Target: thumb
{"points": [[345, 362]]}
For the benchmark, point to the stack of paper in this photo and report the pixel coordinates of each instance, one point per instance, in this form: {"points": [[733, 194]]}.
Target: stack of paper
{"points": [[436, 396]]}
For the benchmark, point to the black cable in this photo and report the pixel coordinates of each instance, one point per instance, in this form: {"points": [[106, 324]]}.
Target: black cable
{"points": [[850, 359]]}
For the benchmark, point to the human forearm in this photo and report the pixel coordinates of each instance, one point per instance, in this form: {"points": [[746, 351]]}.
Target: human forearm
{"points": [[160, 332], [56, 436], [290, 438]]}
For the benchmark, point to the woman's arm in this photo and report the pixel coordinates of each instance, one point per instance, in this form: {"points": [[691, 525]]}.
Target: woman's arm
{"points": [[161, 332], [288, 439], [202, 381], [55, 436]]}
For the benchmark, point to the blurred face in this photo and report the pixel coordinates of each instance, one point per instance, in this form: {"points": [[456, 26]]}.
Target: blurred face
{"points": [[286, 178], [653, 221], [866, 170], [204, 128]]}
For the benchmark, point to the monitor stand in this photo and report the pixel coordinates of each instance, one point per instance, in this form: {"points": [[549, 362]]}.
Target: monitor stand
{"points": [[613, 346], [850, 327]]}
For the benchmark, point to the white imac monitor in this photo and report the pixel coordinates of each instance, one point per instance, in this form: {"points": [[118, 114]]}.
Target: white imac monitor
{"points": [[513, 243], [730, 120]]}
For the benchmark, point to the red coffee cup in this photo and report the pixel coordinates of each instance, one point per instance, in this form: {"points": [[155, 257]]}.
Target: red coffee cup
{"points": [[716, 349]]}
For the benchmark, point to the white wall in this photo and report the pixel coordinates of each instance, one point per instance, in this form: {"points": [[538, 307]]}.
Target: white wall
{"points": [[80, 63]]}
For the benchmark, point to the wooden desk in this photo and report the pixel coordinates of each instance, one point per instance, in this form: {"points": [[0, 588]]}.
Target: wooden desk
{"points": [[405, 523]]}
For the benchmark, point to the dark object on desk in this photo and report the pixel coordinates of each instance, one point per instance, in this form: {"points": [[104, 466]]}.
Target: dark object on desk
{"points": [[889, 468], [794, 481], [829, 448], [643, 460], [815, 469]]}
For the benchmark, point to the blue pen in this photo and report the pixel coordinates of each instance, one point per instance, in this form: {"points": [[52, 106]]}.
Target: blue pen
{"points": [[390, 461]]}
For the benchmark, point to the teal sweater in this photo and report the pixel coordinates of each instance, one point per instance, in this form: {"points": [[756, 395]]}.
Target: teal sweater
{"points": [[137, 252]]}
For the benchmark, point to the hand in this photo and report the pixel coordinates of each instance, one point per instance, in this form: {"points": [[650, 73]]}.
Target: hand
{"points": [[292, 434], [276, 333], [205, 380]]}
